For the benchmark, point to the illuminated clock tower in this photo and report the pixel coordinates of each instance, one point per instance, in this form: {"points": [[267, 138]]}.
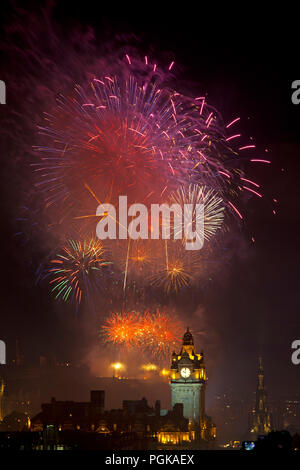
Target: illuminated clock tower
{"points": [[188, 377]]}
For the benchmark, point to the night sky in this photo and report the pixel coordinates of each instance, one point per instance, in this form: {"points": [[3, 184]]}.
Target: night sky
{"points": [[245, 63]]}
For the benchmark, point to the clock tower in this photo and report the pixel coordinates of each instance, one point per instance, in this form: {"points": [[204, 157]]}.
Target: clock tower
{"points": [[188, 377]]}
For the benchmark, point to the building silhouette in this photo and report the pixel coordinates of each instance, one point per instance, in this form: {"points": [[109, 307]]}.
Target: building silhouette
{"points": [[137, 425], [70, 415]]}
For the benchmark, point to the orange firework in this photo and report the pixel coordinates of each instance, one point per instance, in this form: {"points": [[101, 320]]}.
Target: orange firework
{"points": [[140, 257], [121, 328], [172, 277], [161, 332], [157, 333]]}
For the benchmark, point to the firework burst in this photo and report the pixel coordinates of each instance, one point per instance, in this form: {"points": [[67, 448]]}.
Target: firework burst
{"points": [[121, 329], [74, 271], [162, 333], [179, 269], [120, 135], [128, 132], [188, 197], [172, 277], [150, 332]]}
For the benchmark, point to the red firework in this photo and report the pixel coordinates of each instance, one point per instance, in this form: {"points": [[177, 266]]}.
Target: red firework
{"points": [[156, 333]]}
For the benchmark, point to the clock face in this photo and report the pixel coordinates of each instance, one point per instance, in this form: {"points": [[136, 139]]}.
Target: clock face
{"points": [[185, 372]]}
